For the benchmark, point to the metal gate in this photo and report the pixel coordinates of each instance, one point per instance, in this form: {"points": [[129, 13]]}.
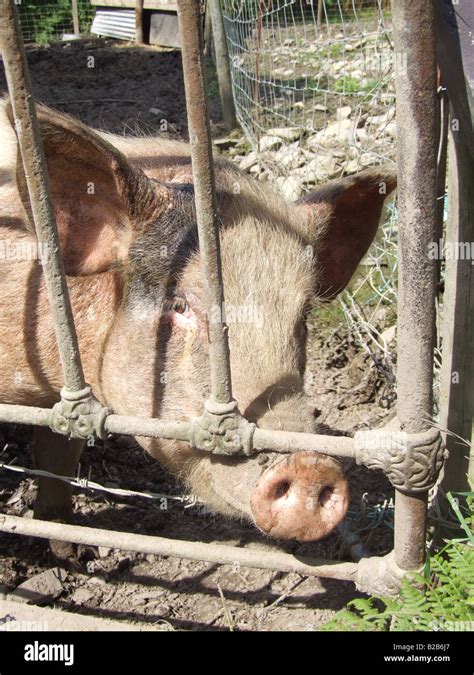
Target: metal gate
{"points": [[411, 458]]}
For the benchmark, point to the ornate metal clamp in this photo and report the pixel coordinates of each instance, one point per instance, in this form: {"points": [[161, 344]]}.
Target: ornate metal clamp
{"points": [[380, 576], [411, 462], [222, 430], [79, 415]]}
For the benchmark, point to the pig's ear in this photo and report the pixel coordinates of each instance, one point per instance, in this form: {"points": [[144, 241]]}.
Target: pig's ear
{"points": [[100, 200], [340, 220]]}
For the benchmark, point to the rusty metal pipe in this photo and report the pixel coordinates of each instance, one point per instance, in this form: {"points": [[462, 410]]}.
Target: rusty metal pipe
{"points": [[34, 163], [415, 81], [191, 550], [205, 197], [264, 439]]}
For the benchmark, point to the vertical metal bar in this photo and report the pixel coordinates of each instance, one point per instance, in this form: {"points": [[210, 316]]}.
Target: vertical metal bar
{"points": [[415, 79], [205, 196], [34, 163], [222, 64]]}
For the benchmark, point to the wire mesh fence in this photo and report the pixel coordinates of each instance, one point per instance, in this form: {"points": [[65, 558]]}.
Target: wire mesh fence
{"points": [[314, 96], [45, 21], [313, 83]]}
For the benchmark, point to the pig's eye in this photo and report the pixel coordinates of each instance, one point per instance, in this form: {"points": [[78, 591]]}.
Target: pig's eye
{"points": [[178, 312], [180, 305]]}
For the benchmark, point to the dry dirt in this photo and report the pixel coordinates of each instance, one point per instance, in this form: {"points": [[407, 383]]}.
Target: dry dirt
{"points": [[116, 95]]}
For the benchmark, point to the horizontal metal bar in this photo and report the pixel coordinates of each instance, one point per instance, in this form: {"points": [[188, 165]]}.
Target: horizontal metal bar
{"points": [[25, 414], [293, 441], [263, 439], [190, 550]]}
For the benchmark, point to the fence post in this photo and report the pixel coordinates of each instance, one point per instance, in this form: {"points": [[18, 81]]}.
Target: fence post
{"points": [[75, 17], [207, 31], [415, 81], [222, 64], [457, 373], [319, 20], [139, 22]]}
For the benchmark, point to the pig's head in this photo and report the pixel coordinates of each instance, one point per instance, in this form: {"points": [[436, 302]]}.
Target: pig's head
{"points": [[118, 220]]}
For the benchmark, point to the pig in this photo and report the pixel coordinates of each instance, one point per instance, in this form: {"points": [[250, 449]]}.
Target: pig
{"points": [[127, 228]]}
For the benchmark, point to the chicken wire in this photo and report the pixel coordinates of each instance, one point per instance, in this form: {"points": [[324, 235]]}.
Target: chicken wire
{"points": [[48, 21]]}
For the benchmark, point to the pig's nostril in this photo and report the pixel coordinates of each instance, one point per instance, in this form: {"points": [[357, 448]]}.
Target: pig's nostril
{"points": [[281, 489], [326, 495]]}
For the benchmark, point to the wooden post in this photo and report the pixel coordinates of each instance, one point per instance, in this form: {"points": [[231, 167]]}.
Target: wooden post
{"points": [[207, 31], [139, 22], [319, 19], [222, 64], [75, 17], [457, 373]]}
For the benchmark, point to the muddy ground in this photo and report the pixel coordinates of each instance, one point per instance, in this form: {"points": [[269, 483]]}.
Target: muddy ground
{"points": [[131, 91]]}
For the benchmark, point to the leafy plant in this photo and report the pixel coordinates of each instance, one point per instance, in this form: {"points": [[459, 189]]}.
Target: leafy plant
{"points": [[441, 599], [44, 20]]}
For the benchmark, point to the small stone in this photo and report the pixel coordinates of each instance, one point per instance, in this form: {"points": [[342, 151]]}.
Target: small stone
{"points": [[369, 159], [290, 156], [290, 187], [390, 334], [269, 143], [99, 581], [320, 168], [391, 130], [343, 113], [137, 601], [286, 133], [104, 551], [81, 596], [335, 133], [41, 588], [361, 135], [225, 143], [248, 161], [156, 111]]}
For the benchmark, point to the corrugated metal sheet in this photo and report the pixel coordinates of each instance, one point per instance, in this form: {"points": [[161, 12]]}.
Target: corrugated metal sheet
{"points": [[117, 24]]}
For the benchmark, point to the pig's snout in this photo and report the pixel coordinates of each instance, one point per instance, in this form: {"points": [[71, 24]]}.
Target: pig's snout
{"points": [[303, 497]]}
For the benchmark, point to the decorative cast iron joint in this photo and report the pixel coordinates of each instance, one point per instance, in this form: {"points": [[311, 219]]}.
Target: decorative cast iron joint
{"points": [[222, 430], [411, 462], [79, 415], [380, 575]]}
